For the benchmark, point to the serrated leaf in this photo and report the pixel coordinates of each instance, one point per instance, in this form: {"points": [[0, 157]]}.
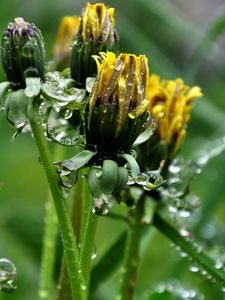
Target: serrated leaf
{"points": [[33, 87]]}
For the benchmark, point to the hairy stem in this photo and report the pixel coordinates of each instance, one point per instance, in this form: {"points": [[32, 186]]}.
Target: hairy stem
{"points": [[70, 248], [189, 246], [131, 260]]}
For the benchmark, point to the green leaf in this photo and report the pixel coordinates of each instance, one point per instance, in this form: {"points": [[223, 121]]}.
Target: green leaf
{"points": [[16, 109], [4, 87], [33, 87], [62, 90], [144, 136], [109, 263], [90, 83], [135, 170], [78, 161]]}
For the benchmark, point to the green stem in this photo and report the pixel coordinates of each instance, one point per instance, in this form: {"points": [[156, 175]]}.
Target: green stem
{"points": [[189, 246], [63, 289], [48, 252], [131, 260], [46, 291], [71, 251], [88, 231]]}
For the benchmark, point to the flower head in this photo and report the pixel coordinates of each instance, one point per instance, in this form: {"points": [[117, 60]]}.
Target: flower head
{"points": [[117, 110], [23, 53], [68, 28], [170, 103], [96, 33]]}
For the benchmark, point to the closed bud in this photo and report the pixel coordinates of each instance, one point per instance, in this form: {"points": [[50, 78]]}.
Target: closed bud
{"points": [[117, 111], [23, 53], [96, 34]]}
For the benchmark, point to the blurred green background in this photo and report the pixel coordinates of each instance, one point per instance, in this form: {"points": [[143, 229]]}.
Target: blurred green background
{"points": [[182, 39]]}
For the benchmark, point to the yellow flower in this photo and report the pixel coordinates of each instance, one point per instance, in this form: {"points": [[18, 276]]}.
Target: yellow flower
{"points": [[68, 28], [96, 34], [170, 103], [97, 23], [117, 110]]}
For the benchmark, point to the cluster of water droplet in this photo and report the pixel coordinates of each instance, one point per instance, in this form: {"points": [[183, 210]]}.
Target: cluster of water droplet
{"points": [[179, 292], [7, 274], [180, 201], [219, 259]]}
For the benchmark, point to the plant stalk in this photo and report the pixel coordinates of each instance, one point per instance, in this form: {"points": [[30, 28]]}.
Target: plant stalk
{"points": [[131, 260], [70, 248], [189, 246], [88, 231]]}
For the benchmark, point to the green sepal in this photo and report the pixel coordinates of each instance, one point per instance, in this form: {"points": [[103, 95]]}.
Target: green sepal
{"points": [[55, 93], [109, 176], [134, 167], [33, 86], [4, 87], [78, 161], [16, 109], [122, 179], [145, 135], [94, 181]]}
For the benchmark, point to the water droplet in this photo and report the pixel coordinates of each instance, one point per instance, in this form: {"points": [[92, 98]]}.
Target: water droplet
{"points": [[83, 286], [7, 287], [142, 179], [194, 268], [130, 180], [7, 270], [66, 113], [174, 168], [219, 264], [28, 50], [43, 109], [223, 289], [98, 173], [94, 253]]}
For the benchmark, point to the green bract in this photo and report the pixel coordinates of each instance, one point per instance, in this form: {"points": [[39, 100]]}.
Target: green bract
{"points": [[23, 53], [96, 34]]}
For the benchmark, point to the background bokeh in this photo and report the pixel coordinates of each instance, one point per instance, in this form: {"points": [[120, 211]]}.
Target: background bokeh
{"points": [[177, 37]]}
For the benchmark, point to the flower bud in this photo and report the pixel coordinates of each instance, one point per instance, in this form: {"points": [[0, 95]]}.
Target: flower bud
{"points": [[23, 53], [170, 104], [96, 34], [68, 28], [117, 111]]}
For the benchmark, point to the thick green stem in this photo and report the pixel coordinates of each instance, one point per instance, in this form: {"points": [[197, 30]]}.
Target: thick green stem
{"points": [[48, 252], [88, 231], [131, 260], [46, 290], [71, 251], [189, 246], [63, 289]]}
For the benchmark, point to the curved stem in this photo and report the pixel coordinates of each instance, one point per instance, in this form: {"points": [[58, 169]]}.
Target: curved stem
{"points": [[66, 229], [88, 231], [131, 260], [189, 246]]}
